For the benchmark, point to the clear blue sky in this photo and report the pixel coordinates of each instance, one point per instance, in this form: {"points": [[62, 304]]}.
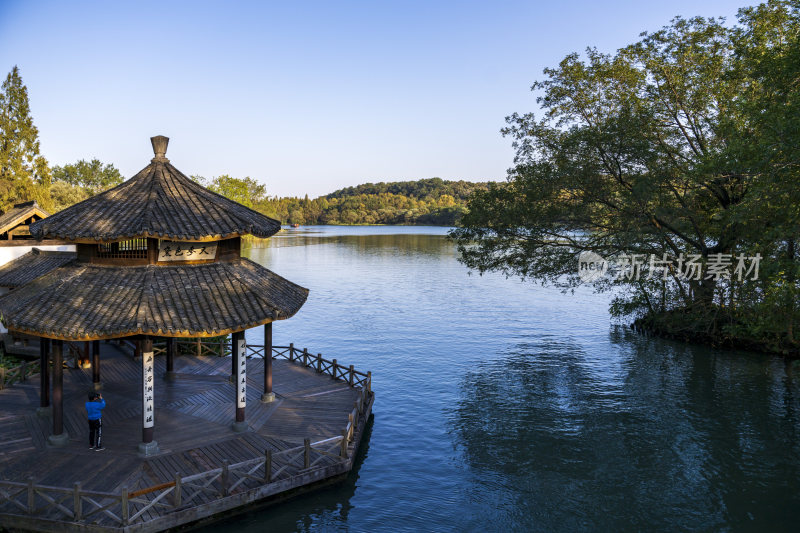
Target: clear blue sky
{"points": [[306, 97]]}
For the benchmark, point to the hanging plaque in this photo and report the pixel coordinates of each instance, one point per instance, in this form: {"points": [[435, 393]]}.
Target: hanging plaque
{"points": [[186, 251]]}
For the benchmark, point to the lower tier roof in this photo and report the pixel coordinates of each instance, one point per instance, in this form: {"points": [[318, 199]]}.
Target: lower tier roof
{"points": [[31, 265], [91, 302]]}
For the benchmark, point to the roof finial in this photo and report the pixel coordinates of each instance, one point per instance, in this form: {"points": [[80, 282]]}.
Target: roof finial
{"points": [[159, 143]]}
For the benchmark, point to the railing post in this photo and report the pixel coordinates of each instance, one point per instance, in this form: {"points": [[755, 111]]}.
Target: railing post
{"points": [[2, 377], [352, 370], [125, 509], [343, 451], [222, 347], [224, 477], [23, 371], [369, 381], [31, 496], [76, 501], [334, 367], [199, 347], [268, 466], [176, 498], [306, 453], [291, 350], [319, 363], [305, 357]]}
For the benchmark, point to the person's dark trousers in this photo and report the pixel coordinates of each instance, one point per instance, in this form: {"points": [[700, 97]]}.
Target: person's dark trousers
{"points": [[95, 433]]}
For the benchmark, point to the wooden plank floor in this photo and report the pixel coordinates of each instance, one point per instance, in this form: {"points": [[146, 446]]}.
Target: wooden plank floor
{"points": [[193, 420]]}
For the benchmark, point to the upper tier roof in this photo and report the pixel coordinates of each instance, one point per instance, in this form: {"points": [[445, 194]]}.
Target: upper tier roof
{"points": [[159, 202]]}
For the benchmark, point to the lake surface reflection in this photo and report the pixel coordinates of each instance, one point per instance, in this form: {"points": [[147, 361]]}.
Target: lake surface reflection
{"points": [[501, 405]]}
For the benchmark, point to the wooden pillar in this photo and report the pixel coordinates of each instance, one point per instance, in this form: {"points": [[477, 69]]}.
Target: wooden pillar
{"points": [[44, 376], [268, 395], [239, 361], [85, 357], [148, 446], [137, 348], [58, 438], [96, 365], [170, 374], [152, 251]]}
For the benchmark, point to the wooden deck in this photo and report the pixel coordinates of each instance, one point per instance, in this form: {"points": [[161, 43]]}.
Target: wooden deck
{"points": [[193, 427]]}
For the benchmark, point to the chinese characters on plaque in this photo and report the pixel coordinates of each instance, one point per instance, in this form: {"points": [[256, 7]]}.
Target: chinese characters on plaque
{"points": [[147, 392], [186, 251], [241, 393]]}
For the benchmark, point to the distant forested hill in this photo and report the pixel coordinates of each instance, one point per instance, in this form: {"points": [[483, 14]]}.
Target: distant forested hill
{"points": [[431, 201], [425, 189]]}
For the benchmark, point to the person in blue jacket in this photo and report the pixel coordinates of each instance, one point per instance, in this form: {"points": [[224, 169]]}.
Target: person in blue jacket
{"points": [[94, 412]]}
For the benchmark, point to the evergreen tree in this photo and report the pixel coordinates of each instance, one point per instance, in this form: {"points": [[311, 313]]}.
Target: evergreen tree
{"points": [[24, 174]]}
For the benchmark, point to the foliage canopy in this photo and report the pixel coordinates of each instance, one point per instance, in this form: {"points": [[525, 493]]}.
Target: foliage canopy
{"points": [[685, 142], [24, 174]]}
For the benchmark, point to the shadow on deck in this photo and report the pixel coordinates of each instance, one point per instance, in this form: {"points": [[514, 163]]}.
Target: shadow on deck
{"points": [[203, 468]]}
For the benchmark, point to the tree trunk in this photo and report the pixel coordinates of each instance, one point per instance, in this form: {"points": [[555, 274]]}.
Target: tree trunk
{"points": [[703, 293], [790, 253]]}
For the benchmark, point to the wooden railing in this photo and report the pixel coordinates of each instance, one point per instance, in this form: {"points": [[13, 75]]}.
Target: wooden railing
{"points": [[214, 348], [21, 372], [26, 369], [128, 507], [303, 357]]}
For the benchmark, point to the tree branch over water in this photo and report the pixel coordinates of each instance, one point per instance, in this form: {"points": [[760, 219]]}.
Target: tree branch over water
{"points": [[683, 143]]}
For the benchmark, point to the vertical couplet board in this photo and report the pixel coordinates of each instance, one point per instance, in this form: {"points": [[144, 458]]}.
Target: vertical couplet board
{"points": [[241, 390], [147, 391]]}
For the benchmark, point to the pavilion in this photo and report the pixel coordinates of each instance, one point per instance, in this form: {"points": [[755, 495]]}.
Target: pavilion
{"points": [[158, 256], [15, 223]]}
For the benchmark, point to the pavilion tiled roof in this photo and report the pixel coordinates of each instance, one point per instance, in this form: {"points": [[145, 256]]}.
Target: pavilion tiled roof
{"points": [[31, 265], [19, 213], [89, 302], [158, 202]]}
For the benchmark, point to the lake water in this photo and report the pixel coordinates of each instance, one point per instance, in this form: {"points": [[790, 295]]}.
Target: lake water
{"points": [[501, 405]]}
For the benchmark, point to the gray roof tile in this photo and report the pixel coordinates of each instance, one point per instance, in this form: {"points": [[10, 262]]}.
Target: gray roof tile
{"points": [[83, 301]]}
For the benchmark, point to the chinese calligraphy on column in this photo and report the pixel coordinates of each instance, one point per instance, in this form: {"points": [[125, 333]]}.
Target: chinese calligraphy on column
{"points": [[147, 392], [241, 393]]}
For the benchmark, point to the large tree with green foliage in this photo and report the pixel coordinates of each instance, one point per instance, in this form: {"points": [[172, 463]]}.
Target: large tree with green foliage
{"points": [[24, 174], [76, 182], [92, 176], [679, 144], [246, 191]]}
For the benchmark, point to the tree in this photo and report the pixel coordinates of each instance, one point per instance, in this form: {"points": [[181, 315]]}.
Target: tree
{"points": [[64, 195], [653, 150], [246, 191], [768, 54], [92, 176], [24, 174]]}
